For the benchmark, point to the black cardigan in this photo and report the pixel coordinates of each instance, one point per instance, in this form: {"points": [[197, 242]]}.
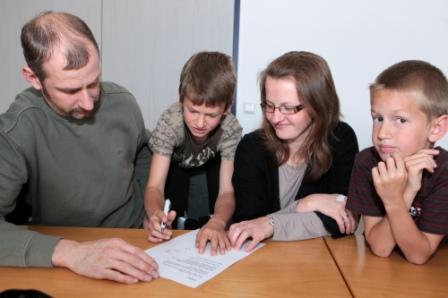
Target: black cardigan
{"points": [[255, 176]]}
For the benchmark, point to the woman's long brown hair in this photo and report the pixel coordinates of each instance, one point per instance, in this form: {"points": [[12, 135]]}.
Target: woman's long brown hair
{"points": [[317, 94]]}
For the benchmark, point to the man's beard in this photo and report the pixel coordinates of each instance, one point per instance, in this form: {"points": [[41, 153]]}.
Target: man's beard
{"points": [[71, 114], [86, 114]]}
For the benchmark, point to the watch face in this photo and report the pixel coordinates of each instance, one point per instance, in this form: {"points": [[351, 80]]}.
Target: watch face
{"points": [[341, 198]]}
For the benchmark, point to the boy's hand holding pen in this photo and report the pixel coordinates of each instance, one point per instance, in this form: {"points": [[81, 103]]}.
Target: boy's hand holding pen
{"points": [[166, 209], [159, 225]]}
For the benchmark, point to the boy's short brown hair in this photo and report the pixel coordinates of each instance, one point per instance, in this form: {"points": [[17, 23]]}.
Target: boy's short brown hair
{"points": [[420, 77], [208, 77]]}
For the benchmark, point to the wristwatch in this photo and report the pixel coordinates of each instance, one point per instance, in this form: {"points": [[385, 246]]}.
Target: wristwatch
{"points": [[341, 198]]}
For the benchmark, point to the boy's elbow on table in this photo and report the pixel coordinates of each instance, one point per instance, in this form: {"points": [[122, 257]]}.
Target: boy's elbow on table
{"points": [[379, 250], [418, 259]]}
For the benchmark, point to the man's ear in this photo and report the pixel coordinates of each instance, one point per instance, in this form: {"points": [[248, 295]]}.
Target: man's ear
{"points": [[438, 128], [31, 78]]}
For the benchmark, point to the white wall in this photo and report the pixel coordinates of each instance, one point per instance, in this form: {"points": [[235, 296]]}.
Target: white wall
{"points": [[357, 38], [144, 43], [13, 15]]}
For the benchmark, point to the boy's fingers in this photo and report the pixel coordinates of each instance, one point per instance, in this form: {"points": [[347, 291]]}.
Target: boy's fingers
{"points": [[430, 151], [383, 166], [419, 164], [399, 162], [375, 175], [214, 244], [227, 243], [171, 216], [391, 162], [202, 243], [222, 245]]}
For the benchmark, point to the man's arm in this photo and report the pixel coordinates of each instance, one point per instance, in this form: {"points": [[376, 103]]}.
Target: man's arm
{"points": [[154, 199], [141, 165], [214, 230], [112, 259], [18, 246], [22, 247]]}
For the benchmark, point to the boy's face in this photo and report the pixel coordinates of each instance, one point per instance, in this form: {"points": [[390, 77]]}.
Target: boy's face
{"points": [[399, 124], [201, 120]]}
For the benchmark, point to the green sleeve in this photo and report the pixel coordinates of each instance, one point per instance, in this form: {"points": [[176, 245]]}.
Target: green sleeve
{"points": [[18, 246], [24, 248]]}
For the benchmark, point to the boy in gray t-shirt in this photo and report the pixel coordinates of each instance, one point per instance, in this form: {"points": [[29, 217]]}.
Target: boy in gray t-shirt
{"points": [[196, 137]]}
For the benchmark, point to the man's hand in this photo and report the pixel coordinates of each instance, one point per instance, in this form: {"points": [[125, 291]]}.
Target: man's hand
{"points": [[155, 233], [390, 179], [258, 229], [213, 231], [112, 259]]}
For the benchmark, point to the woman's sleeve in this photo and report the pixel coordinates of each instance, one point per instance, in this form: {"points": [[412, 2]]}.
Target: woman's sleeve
{"points": [[297, 226], [344, 149]]}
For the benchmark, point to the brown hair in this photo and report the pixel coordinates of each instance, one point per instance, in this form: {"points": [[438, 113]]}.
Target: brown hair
{"points": [[317, 93], [208, 77], [41, 35], [417, 76]]}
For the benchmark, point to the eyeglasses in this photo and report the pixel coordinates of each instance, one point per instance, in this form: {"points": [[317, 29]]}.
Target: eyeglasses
{"points": [[285, 110]]}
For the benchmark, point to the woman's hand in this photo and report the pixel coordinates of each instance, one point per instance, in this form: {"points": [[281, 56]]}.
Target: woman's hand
{"points": [[331, 205], [257, 229]]}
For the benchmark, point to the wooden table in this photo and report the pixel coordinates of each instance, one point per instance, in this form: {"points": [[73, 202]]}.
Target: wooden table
{"points": [[280, 269], [370, 276]]}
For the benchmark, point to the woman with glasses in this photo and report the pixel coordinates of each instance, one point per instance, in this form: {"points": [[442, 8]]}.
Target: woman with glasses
{"points": [[291, 176]]}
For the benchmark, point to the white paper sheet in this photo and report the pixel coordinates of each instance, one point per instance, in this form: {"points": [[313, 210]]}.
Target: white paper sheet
{"points": [[179, 260]]}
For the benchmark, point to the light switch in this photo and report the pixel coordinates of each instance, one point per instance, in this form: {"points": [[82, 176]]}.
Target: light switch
{"points": [[249, 108]]}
